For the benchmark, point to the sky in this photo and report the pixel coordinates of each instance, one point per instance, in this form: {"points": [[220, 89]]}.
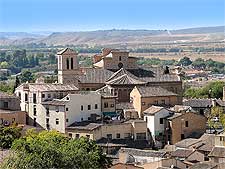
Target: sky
{"points": [[87, 15]]}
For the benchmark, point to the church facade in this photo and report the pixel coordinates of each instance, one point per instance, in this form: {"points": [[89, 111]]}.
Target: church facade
{"points": [[116, 73]]}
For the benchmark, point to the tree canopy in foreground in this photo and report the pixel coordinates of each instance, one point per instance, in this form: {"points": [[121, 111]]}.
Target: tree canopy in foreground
{"points": [[52, 150]]}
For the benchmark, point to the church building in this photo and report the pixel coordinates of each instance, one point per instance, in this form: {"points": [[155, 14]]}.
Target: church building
{"points": [[116, 73]]}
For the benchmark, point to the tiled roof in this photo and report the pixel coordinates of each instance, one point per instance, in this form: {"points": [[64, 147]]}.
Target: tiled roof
{"points": [[180, 108], [65, 50], [204, 103], [205, 165], [220, 102], [181, 153], [48, 87], [186, 143], [217, 152], [55, 102], [144, 153], [4, 95], [153, 110], [175, 115], [92, 75], [121, 72], [84, 126], [147, 91], [124, 80]]}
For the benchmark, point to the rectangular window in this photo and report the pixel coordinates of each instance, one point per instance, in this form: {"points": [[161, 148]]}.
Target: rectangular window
{"points": [[89, 107], [118, 135], [67, 120], [109, 136], [34, 123], [106, 105], [71, 63], [182, 136], [26, 97], [186, 123], [5, 105], [35, 110], [47, 111], [67, 109], [88, 136], [81, 107], [77, 135], [163, 102], [70, 135], [57, 121], [49, 95], [34, 98], [161, 120], [43, 95], [96, 106]]}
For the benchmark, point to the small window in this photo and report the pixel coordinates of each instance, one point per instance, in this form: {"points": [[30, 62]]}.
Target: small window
{"points": [[118, 135], [26, 97], [143, 103], [182, 136], [146, 119], [186, 123], [70, 135], [81, 107], [163, 102], [5, 105], [43, 95], [82, 119], [34, 123], [89, 107], [67, 109], [88, 136], [160, 134], [156, 102], [49, 95], [96, 106], [35, 110], [57, 121], [112, 105], [34, 98], [109, 136], [161, 120], [67, 98], [77, 135], [106, 105], [120, 58], [67, 120]]}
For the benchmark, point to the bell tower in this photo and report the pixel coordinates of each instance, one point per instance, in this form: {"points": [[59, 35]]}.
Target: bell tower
{"points": [[68, 66]]}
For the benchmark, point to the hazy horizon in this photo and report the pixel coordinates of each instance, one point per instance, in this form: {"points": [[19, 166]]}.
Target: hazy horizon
{"points": [[90, 15]]}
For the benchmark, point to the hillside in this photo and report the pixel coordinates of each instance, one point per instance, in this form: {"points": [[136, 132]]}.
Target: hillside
{"points": [[117, 37]]}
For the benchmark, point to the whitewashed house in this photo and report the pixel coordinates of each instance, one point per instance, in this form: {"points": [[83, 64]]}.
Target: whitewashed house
{"points": [[155, 118]]}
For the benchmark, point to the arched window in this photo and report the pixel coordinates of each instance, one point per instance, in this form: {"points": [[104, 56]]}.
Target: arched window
{"points": [[71, 63], [67, 63]]}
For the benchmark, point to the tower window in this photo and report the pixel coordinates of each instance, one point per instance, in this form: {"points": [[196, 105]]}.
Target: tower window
{"points": [[71, 63], [67, 63]]}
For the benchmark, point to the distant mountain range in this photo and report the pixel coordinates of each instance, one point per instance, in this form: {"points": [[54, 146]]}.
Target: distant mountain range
{"points": [[115, 37]]}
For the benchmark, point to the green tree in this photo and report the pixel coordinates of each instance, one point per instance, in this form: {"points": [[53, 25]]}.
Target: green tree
{"points": [[4, 65], [8, 135], [216, 112], [26, 76], [50, 149], [185, 61]]}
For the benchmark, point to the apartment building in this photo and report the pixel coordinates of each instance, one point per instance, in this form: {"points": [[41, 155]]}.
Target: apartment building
{"points": [[33, 95]]}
